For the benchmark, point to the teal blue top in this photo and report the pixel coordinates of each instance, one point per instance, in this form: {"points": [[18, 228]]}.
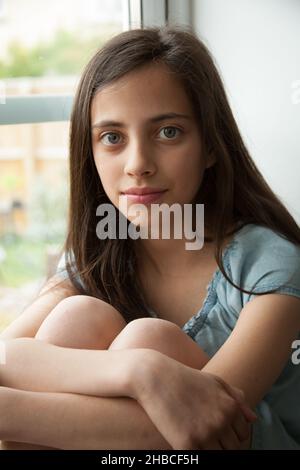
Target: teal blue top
{"points": [[260, 260]]}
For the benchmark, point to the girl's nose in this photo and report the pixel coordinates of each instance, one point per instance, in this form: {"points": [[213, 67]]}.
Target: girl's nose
{"points": [[139, 161]]}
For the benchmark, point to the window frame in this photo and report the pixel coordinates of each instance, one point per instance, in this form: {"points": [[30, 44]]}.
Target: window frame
{"points": [[50, 108], [2, 9]]}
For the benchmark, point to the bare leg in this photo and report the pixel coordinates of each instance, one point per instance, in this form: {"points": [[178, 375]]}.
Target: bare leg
{"points": [[85, 322], [163, 336], [88, 323], [80, 322], [5, 445]]}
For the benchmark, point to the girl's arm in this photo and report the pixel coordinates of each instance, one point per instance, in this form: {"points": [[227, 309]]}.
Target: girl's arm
{"points": [[67, 421], [260, 345], [251, 359], [30, 364], [38, 366]]}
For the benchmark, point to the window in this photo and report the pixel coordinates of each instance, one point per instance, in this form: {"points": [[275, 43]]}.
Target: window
{"points": [[41, 60], [2, 9]]}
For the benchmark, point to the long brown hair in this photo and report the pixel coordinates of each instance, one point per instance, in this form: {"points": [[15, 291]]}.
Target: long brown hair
{"points": [[233, 188]]}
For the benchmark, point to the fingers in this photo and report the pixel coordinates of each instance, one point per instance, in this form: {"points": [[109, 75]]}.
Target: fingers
{"points": [[246, 410], [239, 396], [213, 445], [241, 427], [229, 439]]}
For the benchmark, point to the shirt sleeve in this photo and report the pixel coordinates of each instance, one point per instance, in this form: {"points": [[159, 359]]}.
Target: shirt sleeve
{"points": [[61, 269], [263, 261]]}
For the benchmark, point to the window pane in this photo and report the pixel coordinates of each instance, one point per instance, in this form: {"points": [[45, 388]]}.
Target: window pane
{"points": [[43, 55], [57, 38]]}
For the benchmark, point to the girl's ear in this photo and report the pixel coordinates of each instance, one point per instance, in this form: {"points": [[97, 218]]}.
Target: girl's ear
{"points": [[211, 160]]}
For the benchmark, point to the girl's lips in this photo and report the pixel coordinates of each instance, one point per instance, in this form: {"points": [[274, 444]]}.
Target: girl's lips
{"points": [[144, 198]]}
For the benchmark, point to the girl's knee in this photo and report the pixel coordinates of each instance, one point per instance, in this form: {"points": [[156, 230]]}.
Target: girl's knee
{"points": [[153, 333], [163, 336], [81, 321]]}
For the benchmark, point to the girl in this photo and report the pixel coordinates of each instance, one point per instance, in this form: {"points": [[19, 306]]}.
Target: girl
{"points": [[153, 345]]}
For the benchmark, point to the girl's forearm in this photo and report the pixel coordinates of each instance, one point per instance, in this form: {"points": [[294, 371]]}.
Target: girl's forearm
{"points": [[69, 421], [33, 365]]}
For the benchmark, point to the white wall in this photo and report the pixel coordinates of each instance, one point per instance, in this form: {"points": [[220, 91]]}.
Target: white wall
{"points": [[256, 44]]}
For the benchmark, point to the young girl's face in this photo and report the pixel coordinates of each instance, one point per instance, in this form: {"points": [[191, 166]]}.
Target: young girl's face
{"points": [[145, 146]]}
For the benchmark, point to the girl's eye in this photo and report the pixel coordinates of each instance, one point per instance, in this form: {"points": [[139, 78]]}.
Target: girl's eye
{"points": [[112, 138], [170, 132]]}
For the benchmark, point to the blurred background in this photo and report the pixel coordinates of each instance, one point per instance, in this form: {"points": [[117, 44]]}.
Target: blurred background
{"points": [[43, 49]]}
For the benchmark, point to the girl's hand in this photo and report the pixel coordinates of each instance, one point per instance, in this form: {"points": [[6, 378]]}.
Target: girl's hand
{"points": [[190, 408]]}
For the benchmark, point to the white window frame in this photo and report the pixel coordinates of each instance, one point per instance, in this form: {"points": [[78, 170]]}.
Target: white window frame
{"points": [[2, 8], [145, 13], [53, 108]]}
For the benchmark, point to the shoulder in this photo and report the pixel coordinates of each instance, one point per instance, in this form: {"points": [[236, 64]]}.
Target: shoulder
{"points": [[260, 259], [255, 242]]}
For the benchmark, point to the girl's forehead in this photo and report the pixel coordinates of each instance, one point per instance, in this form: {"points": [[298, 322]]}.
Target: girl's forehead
{"points": [[146, 72], [152, 86]]}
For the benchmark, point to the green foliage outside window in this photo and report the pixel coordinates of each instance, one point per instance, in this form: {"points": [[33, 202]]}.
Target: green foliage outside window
{"points": [[66, 54]]}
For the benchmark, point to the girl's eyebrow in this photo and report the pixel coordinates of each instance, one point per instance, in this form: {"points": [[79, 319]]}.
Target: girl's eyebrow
{"points": [[158, 118]]}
